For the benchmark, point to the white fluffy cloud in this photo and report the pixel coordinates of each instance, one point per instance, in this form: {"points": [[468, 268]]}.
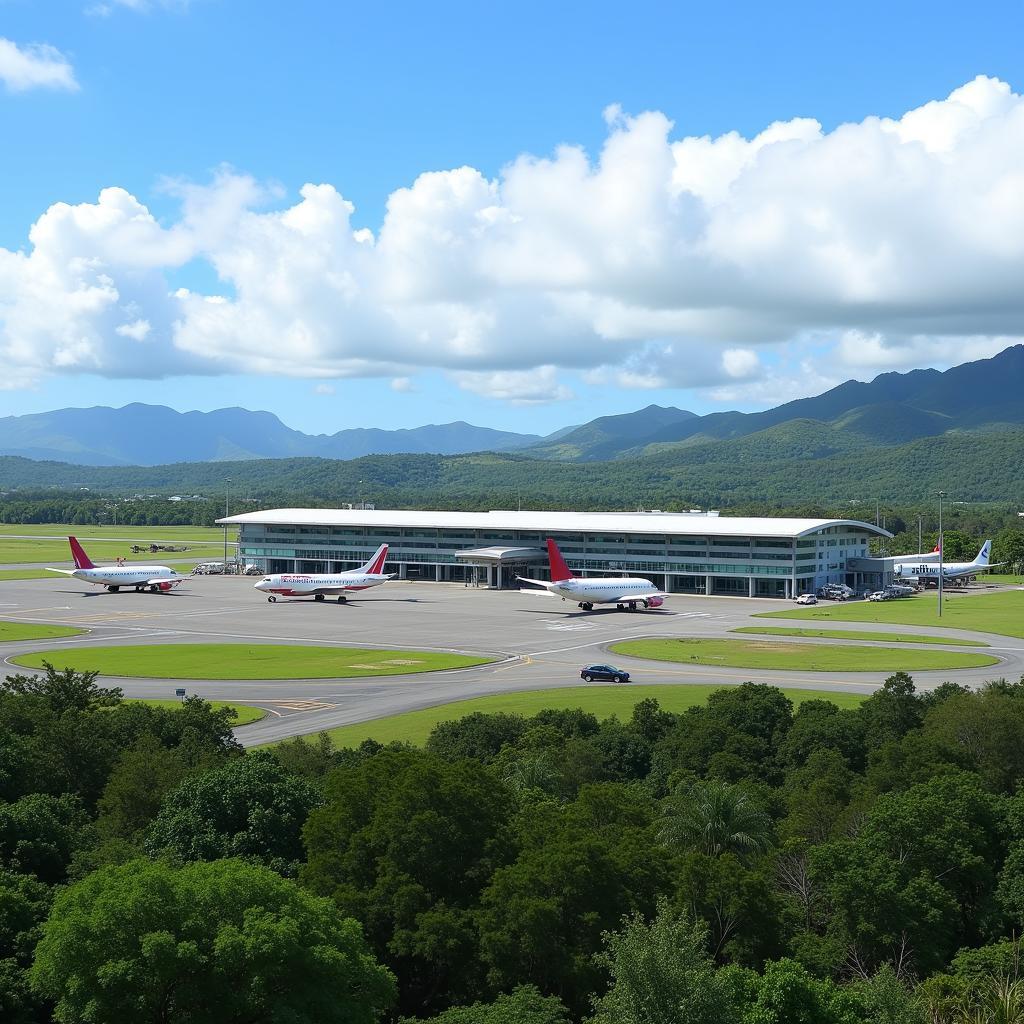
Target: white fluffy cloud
{"points": [[667, 261], [35, 66]]}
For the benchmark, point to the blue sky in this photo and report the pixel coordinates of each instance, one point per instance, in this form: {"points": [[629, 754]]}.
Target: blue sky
{"points": [[159, 97]]}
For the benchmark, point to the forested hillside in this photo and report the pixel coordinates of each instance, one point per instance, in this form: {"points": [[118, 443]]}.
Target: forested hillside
{"points": [[740, 863], [796, 462]]}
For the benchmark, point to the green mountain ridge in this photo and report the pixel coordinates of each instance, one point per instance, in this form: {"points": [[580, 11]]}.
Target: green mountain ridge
{"points": [[799, 462]]}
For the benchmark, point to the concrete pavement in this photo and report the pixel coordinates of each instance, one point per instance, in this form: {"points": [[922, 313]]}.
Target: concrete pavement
{"points": [[539, 642]]}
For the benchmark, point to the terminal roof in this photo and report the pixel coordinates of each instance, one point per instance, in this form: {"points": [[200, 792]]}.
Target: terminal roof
{"points": [[699, 524]]}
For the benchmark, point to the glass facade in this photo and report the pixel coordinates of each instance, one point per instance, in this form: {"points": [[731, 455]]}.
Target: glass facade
{"points": [[690, 563]]}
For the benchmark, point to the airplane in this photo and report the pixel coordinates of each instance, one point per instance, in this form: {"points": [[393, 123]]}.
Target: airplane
{"points": [[924, 556], [950, 570], [298, 585], [156, 578], [625, 592]]}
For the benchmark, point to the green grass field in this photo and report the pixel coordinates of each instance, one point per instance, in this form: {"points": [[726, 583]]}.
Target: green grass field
{"points": [[852, 634], [244, 661], [175, 534], [805, 657], [102, 552], [27, 574], [995, 577], [1001, 613], [245, 714], [603, 701], [30, 631]]}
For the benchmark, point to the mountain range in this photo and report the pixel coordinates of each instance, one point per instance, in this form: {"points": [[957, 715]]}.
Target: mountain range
{"points": [[893, 409]]}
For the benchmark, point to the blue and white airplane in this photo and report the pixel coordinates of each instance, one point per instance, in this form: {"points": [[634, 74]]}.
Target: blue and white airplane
{"points": [[925, 571]]}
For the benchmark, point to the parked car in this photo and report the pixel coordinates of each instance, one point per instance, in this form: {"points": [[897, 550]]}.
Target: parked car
{"points": [[253, 570], [609, 673], [806, 599], [879, 595]]}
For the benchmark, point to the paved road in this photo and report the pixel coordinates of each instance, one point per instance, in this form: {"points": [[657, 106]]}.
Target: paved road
{"points": [[540, 642]]}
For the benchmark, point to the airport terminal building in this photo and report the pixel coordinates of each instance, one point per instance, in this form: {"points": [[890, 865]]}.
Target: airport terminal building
{"points": [[680, 552]]}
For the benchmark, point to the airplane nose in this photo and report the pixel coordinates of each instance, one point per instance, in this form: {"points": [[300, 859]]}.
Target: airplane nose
{"points": [[258, 586]]}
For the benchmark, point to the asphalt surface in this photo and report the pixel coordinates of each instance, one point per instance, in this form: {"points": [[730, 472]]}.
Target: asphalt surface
{"points": [[539, 642]]}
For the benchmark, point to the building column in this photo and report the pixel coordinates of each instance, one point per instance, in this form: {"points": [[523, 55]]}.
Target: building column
{"points": [[437, 574], [707, 586], [403, 570], [752, 588]]}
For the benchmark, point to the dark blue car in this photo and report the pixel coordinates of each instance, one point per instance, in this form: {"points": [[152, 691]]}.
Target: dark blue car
{"points": [[609, 673]]}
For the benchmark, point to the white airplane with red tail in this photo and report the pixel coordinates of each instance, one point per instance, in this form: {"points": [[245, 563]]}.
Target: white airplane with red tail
{"points": [[140, 575], [624, 591], [318, 586]]}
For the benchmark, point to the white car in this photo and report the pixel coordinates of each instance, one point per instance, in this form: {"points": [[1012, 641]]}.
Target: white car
{"points": [[878, 595], [806, 599]]}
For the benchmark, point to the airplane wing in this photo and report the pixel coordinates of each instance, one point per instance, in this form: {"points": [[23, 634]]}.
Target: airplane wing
{"points": [[637, 597], [65, 572], [539, 583]]}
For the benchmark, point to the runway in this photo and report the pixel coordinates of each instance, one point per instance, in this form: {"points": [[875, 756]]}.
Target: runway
{"points": [[538, 642]]}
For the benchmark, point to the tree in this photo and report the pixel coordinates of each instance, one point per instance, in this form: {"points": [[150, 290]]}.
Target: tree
{"points": [[523, 1005], [917, 881], [142, 777], [1008, 547], [221, 943], [892, 711], [715, 818], [249, 808], [786, 994], [579, 870], [39, 835], [405, 842], [661, 973], [476, 735], [64, 689]]}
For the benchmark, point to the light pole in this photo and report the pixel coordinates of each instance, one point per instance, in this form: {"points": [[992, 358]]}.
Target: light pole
{"points": [[227, 481], [919, 517], [941, 553]]}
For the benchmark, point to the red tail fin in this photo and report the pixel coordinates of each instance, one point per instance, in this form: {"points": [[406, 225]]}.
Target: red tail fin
{"points": [[375, 566], [82, 560], [559, 570]]}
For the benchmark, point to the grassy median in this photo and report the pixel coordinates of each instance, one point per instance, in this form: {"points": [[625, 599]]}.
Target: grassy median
{"points": [[855, 634], [1001, 613], [602, 701], [248, 661], [30, 631], [777, 654]]}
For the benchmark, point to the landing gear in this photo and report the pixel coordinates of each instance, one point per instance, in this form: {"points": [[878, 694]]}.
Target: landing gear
{"points": [[271, 599], [587, 606], [632, 606], [113, 590], [620, 607], [342, 599], [138, 590], [318, 597], [154, 588]]}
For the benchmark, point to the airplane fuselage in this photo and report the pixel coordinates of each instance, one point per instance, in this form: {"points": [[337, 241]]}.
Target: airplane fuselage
{"points": [[304, 585], [123, 575], [600, 590]]}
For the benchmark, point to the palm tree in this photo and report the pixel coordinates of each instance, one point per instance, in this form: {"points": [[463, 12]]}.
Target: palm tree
{"points": [[714, 818]]}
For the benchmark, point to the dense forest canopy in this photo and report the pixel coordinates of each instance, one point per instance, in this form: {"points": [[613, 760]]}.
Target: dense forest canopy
{"points": [[739, 863]]}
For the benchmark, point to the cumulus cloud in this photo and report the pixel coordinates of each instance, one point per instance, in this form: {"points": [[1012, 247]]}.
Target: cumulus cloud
{"points": [[666, 261], [520, 387], [35, 66]]}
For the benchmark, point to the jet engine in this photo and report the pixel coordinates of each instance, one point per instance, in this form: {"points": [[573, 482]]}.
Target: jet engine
{"points": [[654, 602]]}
